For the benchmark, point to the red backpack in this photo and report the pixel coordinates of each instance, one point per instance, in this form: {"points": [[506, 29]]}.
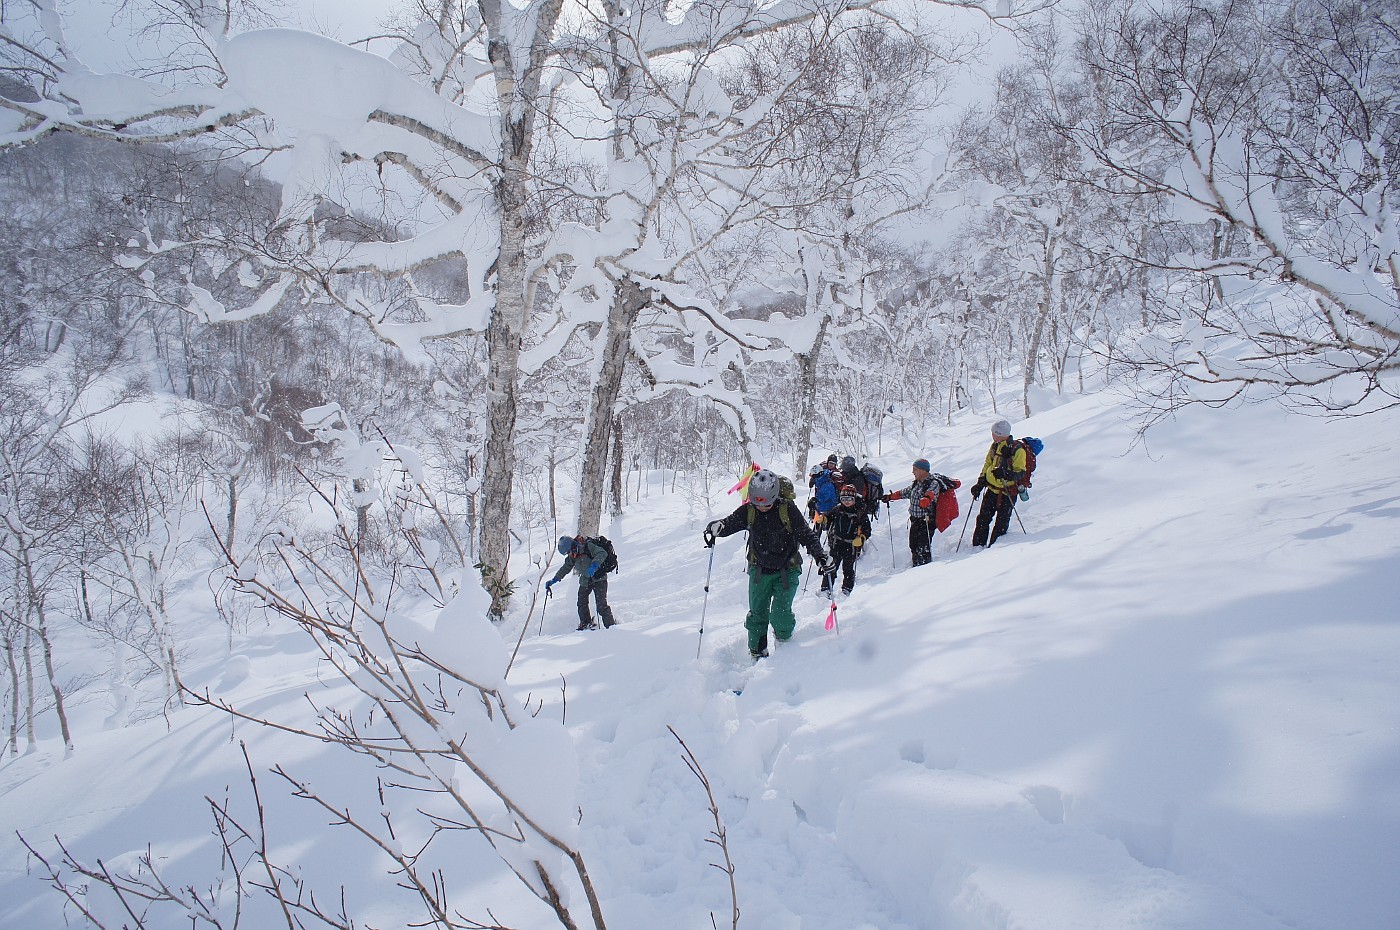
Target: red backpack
{"points": [[945, 511], [1032, 446]]}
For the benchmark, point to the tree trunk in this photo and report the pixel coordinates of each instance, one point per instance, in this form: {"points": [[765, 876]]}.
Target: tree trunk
{"points": [[30, 736], [59, 707], [617, 465], [42, 630], [553, 467], [232, 512], [1047, 296], [361, 513], [806, 413], [472, 494], [517, 98], [503, 339], [13, 735], [628, 301]]}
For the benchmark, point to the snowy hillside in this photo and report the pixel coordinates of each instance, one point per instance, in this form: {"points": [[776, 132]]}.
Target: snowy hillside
{"points": [[1171, 702]]}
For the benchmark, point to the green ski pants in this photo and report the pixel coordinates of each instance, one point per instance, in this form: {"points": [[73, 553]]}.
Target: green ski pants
{"points": [[770, 603]]}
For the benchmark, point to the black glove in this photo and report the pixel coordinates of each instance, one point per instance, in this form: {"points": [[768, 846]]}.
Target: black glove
{"points": [[708, 537], [977, 489], [828, 566]]}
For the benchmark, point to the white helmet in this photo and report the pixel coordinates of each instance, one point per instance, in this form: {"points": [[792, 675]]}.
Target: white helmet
{"points": [[764, 488]]}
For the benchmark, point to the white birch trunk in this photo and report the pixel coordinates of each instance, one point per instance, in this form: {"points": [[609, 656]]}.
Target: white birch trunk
{"points": [[1047, 296], [627, 304]]}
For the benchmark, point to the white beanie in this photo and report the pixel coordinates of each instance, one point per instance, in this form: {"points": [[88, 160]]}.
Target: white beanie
{"points": [[1001, 428]]}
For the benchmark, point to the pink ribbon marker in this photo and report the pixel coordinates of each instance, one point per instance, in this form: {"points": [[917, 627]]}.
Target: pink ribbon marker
{"points": [[831, 619], [743, 482]]}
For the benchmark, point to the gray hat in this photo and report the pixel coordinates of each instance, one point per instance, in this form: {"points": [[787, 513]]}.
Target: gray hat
{"points": [[1001, 428]]}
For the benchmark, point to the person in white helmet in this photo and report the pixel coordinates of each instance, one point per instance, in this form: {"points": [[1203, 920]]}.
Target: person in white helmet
{"points": [[776, 529], [1002, 473]]}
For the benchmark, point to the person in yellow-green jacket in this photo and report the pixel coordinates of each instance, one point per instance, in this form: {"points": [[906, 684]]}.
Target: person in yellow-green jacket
{"points": [[1003, 471]]}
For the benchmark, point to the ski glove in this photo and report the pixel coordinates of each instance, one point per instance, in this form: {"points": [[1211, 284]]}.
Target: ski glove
{"points": [[550, 583], [977, 490], [926, 502], [592, 569], [828, 566]]}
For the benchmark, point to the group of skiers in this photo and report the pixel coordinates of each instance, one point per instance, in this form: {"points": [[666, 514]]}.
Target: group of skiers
{"points": [[844, 500]]}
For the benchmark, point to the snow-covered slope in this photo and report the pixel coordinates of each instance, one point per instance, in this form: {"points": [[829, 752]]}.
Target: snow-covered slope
{"points": [[1171, 702]]}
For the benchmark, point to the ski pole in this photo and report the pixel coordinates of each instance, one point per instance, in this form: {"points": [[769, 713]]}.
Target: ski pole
{"points": [[964, 529], [706, 603], [1018, 516], [831, 615], [543, 607], [831, 623], [890, 524]]}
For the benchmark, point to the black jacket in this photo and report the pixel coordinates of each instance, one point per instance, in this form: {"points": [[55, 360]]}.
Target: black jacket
{"points": [[848, 522], [772, 545]]}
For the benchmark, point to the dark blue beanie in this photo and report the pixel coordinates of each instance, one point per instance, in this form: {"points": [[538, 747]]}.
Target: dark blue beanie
{"points": [[922, 465], [566, 545]]}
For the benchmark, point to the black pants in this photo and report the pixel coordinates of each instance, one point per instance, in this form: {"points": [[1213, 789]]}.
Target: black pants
{"points": [[599, 587], [844, 553], [993, 505], [921, 538]]}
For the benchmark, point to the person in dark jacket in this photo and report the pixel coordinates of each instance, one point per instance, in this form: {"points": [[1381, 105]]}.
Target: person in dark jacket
{"points": [[851, 475], [776, 529], [848, 527], [922, 495], [1002, 473], [585, 558]]}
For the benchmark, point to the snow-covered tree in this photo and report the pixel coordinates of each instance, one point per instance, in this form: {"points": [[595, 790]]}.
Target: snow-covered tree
{"points": [[1271, 129]]}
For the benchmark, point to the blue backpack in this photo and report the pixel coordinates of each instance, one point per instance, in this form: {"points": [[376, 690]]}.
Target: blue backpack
{"points": [[825, 492]]}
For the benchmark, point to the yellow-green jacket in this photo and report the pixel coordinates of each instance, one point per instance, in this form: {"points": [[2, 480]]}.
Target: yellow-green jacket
{"points": [[1001, 473]]}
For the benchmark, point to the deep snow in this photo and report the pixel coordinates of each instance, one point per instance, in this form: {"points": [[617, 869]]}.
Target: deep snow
{"points": [[1171, 702]]}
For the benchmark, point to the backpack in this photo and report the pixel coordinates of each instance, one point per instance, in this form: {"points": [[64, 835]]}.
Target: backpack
{"points": [[610, 563], [1033, 448], [945, 511], [874, 488], [826, 495]]}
